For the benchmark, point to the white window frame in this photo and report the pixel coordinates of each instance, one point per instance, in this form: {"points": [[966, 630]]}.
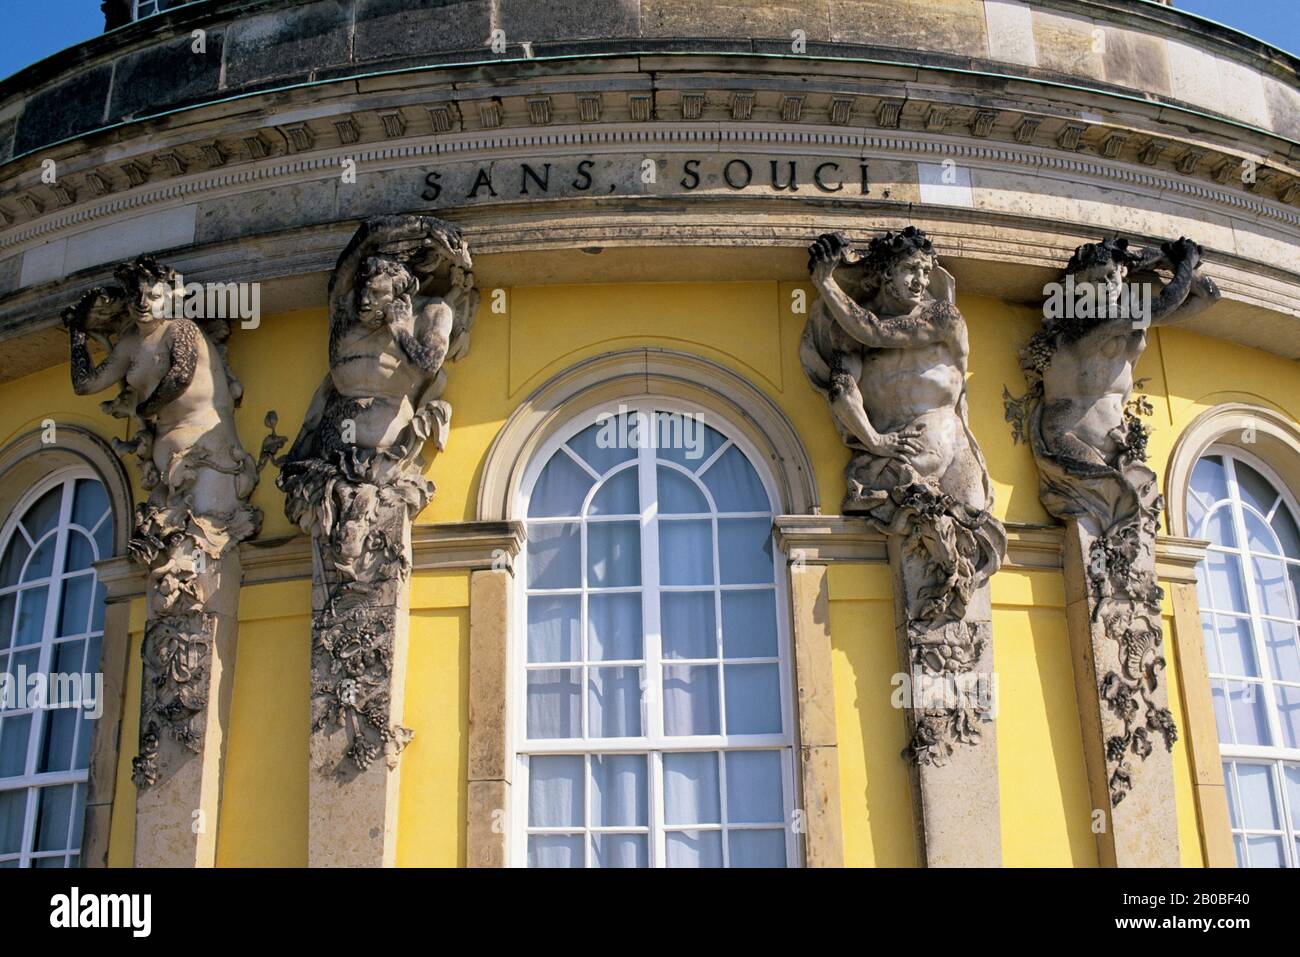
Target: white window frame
{"points": [[137, 4], [654, 743], [1276, 755], [31, 779]]}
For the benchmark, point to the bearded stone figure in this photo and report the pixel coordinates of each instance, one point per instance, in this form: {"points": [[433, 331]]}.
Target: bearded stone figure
{"points": [[401, 302], [176, 386], [1089, 441], [887, 347]]}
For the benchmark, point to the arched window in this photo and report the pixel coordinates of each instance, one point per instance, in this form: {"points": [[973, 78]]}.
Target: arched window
{"points": [[651, 657], [1249, 594], [51, 628]]}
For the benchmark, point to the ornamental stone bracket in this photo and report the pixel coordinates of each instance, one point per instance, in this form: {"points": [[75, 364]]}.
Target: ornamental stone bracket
{"points": [[177, 389], [1088, 438], [401, 302], [887, 348]]}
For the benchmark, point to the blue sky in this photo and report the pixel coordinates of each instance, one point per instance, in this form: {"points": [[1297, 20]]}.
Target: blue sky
{"points": [[34, 30]]}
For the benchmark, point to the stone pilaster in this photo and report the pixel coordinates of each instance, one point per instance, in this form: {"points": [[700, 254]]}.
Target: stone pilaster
{"points": [[186, 690], [819, 770], [1121, 691], [951, 727], [358, 676]]}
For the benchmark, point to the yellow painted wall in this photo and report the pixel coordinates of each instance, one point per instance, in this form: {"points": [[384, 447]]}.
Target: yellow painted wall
{"points": [[748, 327]]}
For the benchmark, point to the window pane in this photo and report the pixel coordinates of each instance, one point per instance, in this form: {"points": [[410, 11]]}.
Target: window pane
{"points": [[1219, 529], [1285, 526], [613, 554], [55, 809], [1219, 695], [691, 794], [745, 550], [694, 848], [686, 552], [1225, 581], [754, 787], [1259, 537], [619, 790], [15, 555], [1254, 488], [44, 515], [15, 733], [60, 727], [1265, 851], [41, 564], [1283, 653], [686, 441], [1210, 479], [756, 848], [555, 791], [614, 702], [1288, 714], [104, 538], [560, 489], [554, 556], [1274, 587], [74, 605], [749, 623], [555, 850], [8, 605], [1237, 647], [84, 738], [687, 624], [1247, 702], [753, 699], [89, 504], [555, 703], [619, 495], [80, 552], [614, 623], [1291, 774], [679, 494], [620, 850], [31, 615], [606, 443], [554, 629], [691, 700], [67, 657], [1258, 802], [734, 484], [13, 813]]}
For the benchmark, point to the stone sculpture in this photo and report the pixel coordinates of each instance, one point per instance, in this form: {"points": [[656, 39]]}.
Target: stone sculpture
{"points": [[1087, 435], [177, 387], [887, 347], [401, 302]]}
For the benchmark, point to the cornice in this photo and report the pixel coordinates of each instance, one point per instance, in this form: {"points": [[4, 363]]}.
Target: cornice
{"points": [[683, 136], [451, 545]]}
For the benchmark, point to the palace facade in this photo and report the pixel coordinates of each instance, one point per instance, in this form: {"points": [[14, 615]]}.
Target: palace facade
{"points": [[649, 433]]}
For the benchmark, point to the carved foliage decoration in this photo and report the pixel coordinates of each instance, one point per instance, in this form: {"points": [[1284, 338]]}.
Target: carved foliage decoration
{"points": [[176, 387]]}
